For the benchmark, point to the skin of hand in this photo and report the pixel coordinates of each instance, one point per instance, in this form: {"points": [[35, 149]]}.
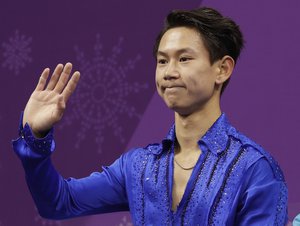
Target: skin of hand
{"points": [[47, 103]]}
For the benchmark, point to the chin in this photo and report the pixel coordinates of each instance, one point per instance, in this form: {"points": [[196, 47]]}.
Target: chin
{"points": [[181, 110], [175, 106], [171, 105]]}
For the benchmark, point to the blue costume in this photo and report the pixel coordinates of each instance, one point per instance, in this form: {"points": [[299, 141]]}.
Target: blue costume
{"points": [[235, 182]]}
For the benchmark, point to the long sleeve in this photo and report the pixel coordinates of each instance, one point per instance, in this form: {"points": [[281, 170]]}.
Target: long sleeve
{"points": [[263, 197], [59, 198]]}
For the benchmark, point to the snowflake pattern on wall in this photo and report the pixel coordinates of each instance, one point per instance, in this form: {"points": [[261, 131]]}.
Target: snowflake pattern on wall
{"points": [[125, 222], [16, 52], [100, 101]]}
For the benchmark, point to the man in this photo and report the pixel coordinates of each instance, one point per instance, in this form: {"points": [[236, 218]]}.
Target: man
{"points": [[204, 172]]}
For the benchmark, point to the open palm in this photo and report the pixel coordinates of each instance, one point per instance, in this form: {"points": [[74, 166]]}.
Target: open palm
{"points": [[48, 101]]}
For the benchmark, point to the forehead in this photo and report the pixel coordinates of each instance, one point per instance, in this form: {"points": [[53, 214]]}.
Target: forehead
{"points": [[176, 39]]}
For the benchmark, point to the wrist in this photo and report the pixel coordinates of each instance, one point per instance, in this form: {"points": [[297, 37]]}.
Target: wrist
{"points": [[37, 132]]}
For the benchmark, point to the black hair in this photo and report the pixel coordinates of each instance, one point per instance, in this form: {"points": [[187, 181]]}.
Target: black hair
{"points": [[221, 35]]}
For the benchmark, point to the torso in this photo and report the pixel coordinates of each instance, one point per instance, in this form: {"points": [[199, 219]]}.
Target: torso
{"points": [[181, 176], [210, 193]]}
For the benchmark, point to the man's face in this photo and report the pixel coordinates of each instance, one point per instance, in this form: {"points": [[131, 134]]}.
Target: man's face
{"points": [[185, 78]]}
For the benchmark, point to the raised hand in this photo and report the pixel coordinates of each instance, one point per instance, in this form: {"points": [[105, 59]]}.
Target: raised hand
{"points": [[47, 103]]}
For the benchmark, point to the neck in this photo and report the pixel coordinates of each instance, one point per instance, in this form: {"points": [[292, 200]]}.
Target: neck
{"points": [[190, 128]]}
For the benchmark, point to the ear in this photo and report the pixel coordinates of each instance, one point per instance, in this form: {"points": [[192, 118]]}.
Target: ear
{"points": [[226, 65]]}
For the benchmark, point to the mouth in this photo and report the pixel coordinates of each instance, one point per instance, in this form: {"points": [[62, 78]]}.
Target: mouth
{"points": [[172, 88]]}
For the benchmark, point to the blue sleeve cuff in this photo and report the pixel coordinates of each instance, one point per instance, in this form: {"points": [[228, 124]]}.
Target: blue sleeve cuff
{"points": [[40, 145], [43, 145]]}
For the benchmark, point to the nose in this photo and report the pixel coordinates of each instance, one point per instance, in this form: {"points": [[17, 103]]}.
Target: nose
{"points": [[171, 71]]}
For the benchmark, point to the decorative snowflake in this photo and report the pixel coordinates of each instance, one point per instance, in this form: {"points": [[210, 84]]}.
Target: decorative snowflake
{"points": [[125, 222], [16, 52], [101, 98]]}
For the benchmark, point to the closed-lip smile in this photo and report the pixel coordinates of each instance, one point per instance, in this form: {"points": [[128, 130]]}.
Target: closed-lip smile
{"points": [[171, 86]]}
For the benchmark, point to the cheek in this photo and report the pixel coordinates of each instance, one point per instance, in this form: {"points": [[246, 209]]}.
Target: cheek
{"points": [[157, 82], [201, 85], [158, 77]]}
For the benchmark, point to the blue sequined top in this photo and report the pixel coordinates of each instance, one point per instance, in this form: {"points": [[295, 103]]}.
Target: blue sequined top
{"points": [[235, 182]]}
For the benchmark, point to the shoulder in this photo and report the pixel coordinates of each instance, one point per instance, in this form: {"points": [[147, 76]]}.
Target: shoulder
{"points": [[255, 153]]}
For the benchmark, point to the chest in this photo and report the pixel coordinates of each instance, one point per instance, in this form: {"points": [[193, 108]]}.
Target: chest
{"points": [[181, 176], [159, 192]]}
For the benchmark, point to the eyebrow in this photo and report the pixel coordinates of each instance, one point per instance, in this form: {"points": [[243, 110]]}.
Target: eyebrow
{"points": [[179, 51]]}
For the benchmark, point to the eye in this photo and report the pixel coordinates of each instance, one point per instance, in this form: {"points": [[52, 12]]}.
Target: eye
{"points": [[184, 59], [161, 61]]}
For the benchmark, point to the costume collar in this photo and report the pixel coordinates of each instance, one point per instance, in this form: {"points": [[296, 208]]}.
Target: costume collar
{"points": [[216, 137]]}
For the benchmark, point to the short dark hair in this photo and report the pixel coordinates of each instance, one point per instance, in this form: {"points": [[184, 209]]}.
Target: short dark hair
{"points": [[221, 35]]}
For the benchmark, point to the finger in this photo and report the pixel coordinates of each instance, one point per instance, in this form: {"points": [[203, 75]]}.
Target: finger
{"points": [[43, 80], [71, 86], [61, 106], [63, 78], [55, 76]]}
